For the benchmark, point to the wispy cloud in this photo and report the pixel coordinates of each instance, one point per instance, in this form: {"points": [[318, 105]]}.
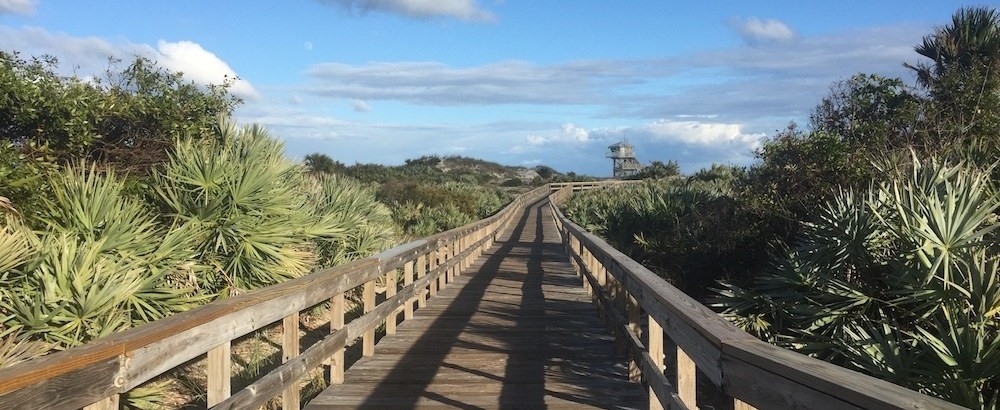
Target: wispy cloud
{"points": [[466, 10], [506, 82], [756, 31], [360, 106], [17, 6]]}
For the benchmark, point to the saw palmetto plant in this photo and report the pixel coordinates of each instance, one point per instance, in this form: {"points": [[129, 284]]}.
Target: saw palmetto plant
{"points": [[340, 201], [99, 264], [257, 218], [901, 282]]}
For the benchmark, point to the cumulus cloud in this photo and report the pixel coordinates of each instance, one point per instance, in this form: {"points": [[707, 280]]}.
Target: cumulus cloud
{"points": [[466, 10], [703, 133], [568, 133], [200, 65], [754, 30], [17, 6], [88, 56]]}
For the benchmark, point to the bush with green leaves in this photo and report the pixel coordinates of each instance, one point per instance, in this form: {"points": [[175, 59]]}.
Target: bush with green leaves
{"points": [[259, 216], [100, 264], [128, 118], [900, 281], [680, 229]]}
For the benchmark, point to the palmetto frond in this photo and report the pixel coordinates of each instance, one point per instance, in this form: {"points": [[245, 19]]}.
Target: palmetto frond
{"points": [[901, 282]]}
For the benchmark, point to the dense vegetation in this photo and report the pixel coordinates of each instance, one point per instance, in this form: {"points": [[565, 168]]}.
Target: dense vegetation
{"points": [[431, 194], [132, 197], [869, 239]]}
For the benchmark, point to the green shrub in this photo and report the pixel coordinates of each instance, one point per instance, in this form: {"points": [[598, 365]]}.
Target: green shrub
{"points": [[900, 281]]}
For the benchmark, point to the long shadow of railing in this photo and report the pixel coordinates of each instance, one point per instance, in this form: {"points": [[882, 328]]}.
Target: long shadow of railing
{"points": [[418, 367]]}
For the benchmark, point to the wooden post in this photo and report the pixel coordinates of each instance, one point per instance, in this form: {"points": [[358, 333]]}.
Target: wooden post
{"points": [[290, 350], [109, 403], [219, 373], [739, 405], [634, 315], [337, 323], [462, 243], [390, 291], [687, 374], [408, 280], [449, 253], [368, 300], [656, 352], [436, 282], [618, 290], [421, 272]]}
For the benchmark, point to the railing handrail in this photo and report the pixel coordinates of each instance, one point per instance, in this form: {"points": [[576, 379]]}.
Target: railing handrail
{"points": [[753, 372], [87, 374], [743, 367]]}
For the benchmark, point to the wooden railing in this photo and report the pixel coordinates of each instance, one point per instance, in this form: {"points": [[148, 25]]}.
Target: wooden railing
{"points": [[748, 370], [751, 372], [94, 375]]}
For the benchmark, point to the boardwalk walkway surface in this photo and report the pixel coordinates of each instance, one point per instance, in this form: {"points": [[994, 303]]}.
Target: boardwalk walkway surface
{"points": [[517, 331]]}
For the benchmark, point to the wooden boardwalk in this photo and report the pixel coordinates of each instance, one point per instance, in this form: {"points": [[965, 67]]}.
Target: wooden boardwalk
{"points": [[517, 331]]}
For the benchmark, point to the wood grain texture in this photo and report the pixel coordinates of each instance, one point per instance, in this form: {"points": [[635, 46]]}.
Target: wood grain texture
{"points": [[290, 351], [514, 331], [219, 373], [786, 370]]}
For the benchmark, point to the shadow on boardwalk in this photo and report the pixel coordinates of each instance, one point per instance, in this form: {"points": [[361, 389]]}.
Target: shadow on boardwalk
{"points": [[516, 331]]}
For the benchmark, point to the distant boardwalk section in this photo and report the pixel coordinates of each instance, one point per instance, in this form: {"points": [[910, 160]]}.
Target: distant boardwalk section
{"points": [[517, 331]]}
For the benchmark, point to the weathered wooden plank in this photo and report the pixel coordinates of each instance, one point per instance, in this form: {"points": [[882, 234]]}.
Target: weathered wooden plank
{"points": [[408, 280], [687, 377], [219, 373], [655, 368], [368, 304], [390, 291], [798, 380], [69, 391], [272, 384], [289, 351], [110, 403], [337, 311]]}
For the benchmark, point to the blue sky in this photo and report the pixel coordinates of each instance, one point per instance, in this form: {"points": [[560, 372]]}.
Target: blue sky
{"points": [[517, 82]]}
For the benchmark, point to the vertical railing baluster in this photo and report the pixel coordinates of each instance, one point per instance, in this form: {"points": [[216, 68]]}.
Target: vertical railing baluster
{"points": [[408, 280], [290, 350], [109, 403], [634, 315], [687, 374], [337, 311], [433, 261], [219, 373], [391, 280], [655, 342], [421, 271], [368, 302]]}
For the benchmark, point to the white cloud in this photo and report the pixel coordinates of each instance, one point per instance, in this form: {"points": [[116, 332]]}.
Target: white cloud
{"points": [[466, 10], [574, 133], [703, 133], [568, 133], [360, 106], [201, 66], [754, 30], [17, 6], [505, 82], [88, 56]]}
